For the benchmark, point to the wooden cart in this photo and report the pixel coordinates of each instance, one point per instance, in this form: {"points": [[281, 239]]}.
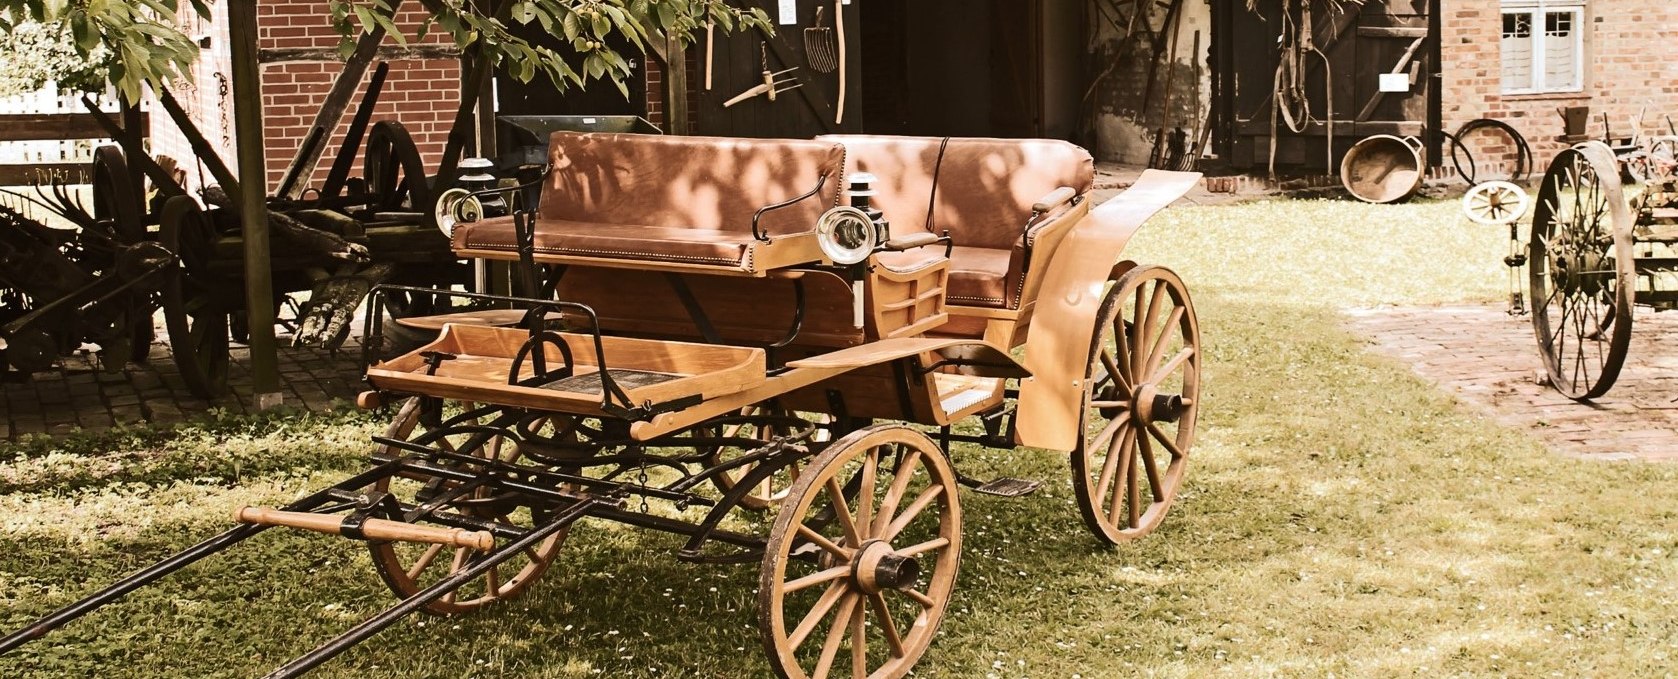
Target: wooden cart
{"points": [[1599, 249], [721, 338]]}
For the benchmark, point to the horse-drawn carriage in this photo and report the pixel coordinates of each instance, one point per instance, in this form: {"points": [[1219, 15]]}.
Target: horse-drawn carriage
{"points": [[726, 339]]}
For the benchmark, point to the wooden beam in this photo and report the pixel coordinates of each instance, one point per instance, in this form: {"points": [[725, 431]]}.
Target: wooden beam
{"points": [[1392, 32], [55, 126], [308, 156], [253, 203], [676, 87], [284, 55]]}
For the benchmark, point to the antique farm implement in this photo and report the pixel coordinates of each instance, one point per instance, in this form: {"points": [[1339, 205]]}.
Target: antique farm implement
{"points": [[726, 339], [1599, 249]]}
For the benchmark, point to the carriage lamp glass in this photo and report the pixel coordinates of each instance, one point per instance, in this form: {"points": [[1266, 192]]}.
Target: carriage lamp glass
{"points": [[477, 175], [458, 205], [862, 198]]}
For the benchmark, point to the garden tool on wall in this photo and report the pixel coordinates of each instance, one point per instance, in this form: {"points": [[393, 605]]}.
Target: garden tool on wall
{"points": [[772, 84], [710, 51], [839, 27], [818, 45]]}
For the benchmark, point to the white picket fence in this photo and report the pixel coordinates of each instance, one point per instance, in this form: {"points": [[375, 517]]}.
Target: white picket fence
{"points": [[49, 100]]}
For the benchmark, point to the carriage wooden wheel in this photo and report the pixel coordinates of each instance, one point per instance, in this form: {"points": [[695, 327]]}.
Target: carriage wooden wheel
{"points": [[1141, 396], [114, 195], [408, 567], [193, 313], [395, 172], [1583, 272], [773, 489], [867, 572]]}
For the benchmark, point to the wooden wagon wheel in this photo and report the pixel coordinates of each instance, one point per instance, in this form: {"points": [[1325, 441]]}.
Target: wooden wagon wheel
{"points": [[773, 489], [1582, 272], [197, 325], [877, 565], [395, 173], [114, 196], [1141, 398], [1495, 203], [409, 568]]}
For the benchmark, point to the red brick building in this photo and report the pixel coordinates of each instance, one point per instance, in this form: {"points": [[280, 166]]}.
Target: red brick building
{"points": [[1521, 60]]}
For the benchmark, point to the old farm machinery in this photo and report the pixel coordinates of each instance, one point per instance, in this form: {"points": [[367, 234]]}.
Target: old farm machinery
{"points": [[1599, 249], [726, 339]]}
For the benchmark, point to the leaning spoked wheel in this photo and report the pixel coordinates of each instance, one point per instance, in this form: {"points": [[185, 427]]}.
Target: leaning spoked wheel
{"points": [[196, 321], [1583, 273], [862, 558], [1141, 397], [409, 568]]}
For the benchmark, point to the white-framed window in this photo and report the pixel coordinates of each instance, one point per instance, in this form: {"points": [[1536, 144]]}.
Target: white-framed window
{"points": [[1543, 46]]}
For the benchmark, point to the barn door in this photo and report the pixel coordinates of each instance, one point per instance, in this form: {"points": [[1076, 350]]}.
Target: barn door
{"points": [[737, 61], [1375, 75]]}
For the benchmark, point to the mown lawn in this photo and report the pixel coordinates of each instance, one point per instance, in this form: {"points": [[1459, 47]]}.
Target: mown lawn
{"points": [[1341, 518]]}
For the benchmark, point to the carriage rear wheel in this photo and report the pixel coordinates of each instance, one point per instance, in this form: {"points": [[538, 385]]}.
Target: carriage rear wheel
{"points": [[1583, 272], [862, 558], [409, 568], [1141, 398], [114, 196], [757, 423]]}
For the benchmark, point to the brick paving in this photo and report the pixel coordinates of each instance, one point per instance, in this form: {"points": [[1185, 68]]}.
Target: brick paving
{"points": [[1490, 360], [78, 395]]}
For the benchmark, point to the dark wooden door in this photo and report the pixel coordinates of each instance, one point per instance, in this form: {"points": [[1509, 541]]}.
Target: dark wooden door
{"points": [[737, 64], [1360, 45]]}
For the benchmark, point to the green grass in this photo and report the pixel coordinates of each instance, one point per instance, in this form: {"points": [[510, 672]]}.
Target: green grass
{"points": [[1341, 518]]}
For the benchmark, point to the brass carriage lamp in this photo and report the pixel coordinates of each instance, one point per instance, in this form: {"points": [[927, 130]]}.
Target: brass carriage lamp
{"points": [[477, 175], [862, 198]]}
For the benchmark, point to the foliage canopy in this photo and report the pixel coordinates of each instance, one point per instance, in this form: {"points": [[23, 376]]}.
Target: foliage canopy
{"points": [[141, 44]]}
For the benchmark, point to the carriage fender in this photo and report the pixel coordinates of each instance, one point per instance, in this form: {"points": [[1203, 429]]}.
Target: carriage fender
{"points": [[1062, 326]]}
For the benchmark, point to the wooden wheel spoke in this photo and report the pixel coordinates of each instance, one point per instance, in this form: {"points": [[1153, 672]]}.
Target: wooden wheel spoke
{"points": [[492, 582], [865, 493], [1134, 495], [424, 561], [893, 638], [914, 509], [859, 641], [1167, 441], [1164, 337], [1125, 478], [1110, 465], [460, 556], [821, 541], [921, 548], [1146, 450], [1104, 438], [817, 612], [1119, 377], [835, 636], [1110, 405], [919, 598], [817, 578], [1172, 365], [894, 493], [842, 512]]}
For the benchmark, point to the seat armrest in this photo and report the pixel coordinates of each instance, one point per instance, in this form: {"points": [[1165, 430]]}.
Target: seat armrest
{"points": [[1055, 199], [758, 231]]}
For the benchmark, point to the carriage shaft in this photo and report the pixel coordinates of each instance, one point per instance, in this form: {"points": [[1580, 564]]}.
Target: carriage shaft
{"points": [[390, 616], [371, 529], [174, 563]]}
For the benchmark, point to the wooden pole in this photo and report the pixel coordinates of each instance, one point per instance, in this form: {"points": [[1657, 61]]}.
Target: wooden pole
{"points": [[676, 87], [253, 203]]}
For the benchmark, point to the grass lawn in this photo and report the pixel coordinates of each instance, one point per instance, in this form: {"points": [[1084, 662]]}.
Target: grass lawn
{"points": [[1341, 518]]}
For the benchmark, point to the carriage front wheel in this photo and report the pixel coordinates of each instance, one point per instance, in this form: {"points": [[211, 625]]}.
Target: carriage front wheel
{"points": [[862, 558], [1141, 396]]}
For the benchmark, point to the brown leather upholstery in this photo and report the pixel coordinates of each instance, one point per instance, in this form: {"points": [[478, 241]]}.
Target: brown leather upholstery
{"points": [[986, 188], [669, 199]]}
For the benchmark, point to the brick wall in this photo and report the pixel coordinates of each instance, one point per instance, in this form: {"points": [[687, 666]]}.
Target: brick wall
{"points": [[1631, 64], [422, 94]]}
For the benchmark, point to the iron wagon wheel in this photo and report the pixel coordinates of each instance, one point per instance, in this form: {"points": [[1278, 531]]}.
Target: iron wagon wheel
{"points": [[1582, 272], [395, 173], [1141, 399], [876, 566], [408, 568], [757, 423], [115, 197], [197, 324]]}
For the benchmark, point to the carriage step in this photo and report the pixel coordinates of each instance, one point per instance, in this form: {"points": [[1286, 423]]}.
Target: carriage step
{"points": [[371, 529], [1003, 487]]}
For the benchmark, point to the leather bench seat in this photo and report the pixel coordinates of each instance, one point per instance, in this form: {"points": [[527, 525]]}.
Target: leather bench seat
{"points": [[985, 192], [673, 203], [619, 241]]}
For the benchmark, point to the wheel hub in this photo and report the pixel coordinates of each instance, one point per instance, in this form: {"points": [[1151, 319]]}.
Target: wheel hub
{"points": [[877, 568], [1148, 405]]}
